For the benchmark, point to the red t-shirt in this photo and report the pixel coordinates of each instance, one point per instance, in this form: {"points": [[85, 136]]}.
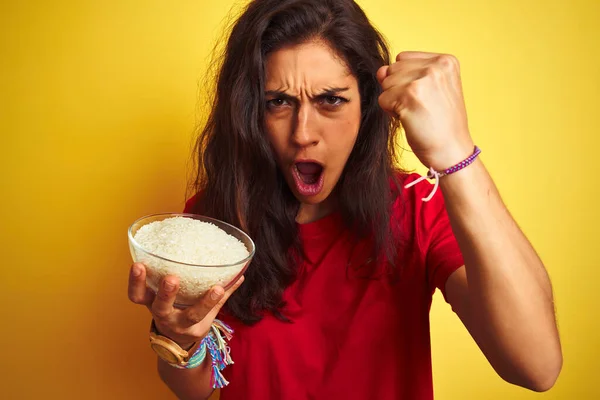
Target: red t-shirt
{"points": [[351, 337]]}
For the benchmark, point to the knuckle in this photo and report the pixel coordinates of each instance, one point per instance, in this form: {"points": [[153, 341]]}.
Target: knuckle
{"points": [[447, 62], [397, 107], [164, 296], [413, 89], [386, 84], [394, 67], [384, 100], [160, 313], [134, 298], [433, 72]]}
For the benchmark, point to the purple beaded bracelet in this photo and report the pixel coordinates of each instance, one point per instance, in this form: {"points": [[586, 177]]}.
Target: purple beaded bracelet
{"points": [[455, 168], [431, 174]]}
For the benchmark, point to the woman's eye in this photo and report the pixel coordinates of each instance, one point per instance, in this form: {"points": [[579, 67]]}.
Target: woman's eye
{"points": [[275, 103], [333, 101]]}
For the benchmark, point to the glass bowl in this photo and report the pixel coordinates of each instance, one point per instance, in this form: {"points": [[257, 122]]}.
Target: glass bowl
{"points": [[194, 279]]}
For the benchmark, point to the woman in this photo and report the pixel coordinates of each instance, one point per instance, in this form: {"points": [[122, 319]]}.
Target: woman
{"points": [[299, 152]]}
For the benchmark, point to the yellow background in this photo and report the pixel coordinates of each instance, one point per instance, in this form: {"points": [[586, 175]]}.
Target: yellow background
{"points": [[97, 108]]}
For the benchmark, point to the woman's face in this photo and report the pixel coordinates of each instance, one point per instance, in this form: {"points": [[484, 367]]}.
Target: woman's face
{"points": [[312, 117]]}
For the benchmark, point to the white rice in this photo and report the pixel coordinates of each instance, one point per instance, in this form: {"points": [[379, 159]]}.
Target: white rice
{"points": [[190, 241]]}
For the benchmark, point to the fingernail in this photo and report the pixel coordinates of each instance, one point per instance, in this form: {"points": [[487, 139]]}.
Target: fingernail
{"points": [[137, 271], [216, 294], [168, 286]]}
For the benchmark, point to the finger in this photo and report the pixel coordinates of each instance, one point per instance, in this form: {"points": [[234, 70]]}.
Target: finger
{"points": [[411, 55], [390, 100], [150, 295], [212, 314], [404, 66], [162, 307], [382, 73], [137, 290], [402, 74], [199, 311], [388, 70], [211, 304]]}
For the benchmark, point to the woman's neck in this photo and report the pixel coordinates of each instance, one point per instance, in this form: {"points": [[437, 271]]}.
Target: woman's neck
{"points": [[312, 212]]}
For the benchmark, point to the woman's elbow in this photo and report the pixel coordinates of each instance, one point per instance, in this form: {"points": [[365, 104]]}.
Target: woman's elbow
{"points": [[547, 380], [542, 378]]}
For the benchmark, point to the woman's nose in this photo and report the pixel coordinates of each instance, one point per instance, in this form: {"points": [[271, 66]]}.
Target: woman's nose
{"points": [[306, 132]]}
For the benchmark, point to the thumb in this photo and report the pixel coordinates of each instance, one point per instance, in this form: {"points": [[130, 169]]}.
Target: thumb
{"points": [[212, 314], [210, 305], [196, 313], [382, 73]]}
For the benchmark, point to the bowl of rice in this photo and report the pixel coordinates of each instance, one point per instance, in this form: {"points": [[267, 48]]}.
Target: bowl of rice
{"points": [[201, 251]]}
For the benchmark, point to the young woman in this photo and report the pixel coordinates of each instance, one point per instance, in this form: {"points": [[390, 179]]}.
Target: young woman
{"points": [[299, 153]]}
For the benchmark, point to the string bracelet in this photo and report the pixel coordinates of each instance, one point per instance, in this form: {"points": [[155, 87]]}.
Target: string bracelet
{"points": [[433, 174]]}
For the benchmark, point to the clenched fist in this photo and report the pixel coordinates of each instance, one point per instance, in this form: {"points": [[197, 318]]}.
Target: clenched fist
{"points": [[424, 91]]}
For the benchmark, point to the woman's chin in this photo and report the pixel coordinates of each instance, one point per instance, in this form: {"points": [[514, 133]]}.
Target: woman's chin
{"points": [[312, 200]]}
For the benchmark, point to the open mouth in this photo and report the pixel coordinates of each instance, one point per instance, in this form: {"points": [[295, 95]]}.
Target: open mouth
{"points": [[308, 177], [309, 172]]}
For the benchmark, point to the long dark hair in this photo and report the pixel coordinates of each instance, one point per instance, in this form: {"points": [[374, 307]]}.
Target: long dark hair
{"points": [[237, 173]]}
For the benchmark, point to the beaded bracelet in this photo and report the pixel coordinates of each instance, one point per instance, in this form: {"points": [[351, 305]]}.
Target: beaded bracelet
{"points": [[217, 347], [431, 174]]}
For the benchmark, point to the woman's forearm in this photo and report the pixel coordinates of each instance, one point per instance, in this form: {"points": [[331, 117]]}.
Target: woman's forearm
{"points": [[188, 384], [506, 299]]}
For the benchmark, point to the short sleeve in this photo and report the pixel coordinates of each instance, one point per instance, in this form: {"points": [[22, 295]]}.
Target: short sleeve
{"points": [[436, 240]]}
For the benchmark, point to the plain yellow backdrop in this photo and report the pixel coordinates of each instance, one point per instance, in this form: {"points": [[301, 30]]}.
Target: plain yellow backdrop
{"points": [[97, 111]]}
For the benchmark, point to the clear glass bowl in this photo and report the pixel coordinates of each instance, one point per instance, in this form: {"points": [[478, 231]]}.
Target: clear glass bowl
{"points": [[194, 279]]}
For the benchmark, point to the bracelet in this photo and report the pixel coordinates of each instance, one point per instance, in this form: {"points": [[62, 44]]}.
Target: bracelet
{"points": [[216, 346], [431, 174]]}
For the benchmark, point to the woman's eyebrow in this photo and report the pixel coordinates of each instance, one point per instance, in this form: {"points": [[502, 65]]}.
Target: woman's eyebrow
{"points": [[279, 94], [329, 91]]}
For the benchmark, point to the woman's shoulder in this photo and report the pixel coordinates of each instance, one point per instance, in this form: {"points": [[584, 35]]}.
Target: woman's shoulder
{"points": [[191, 204]]}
